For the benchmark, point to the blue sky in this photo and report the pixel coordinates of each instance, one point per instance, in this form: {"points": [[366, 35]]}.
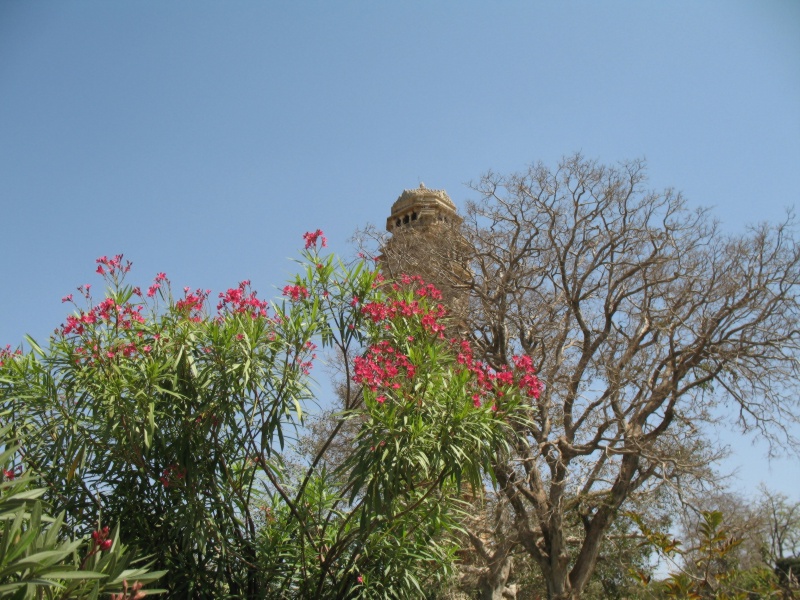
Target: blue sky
{"points": [[203, 138]]}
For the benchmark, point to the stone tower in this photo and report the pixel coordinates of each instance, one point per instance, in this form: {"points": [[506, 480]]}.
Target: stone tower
{"points": [[426, 240], [422, 207]]}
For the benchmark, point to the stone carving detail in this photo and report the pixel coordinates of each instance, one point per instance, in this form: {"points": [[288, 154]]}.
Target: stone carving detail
{"points": [[421, 206]]}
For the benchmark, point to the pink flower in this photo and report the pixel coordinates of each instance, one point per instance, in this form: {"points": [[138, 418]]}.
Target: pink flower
{"points": [[296, 292], [238, 301], [312, 237], [382, 367], [100, 538], [67, 298]]}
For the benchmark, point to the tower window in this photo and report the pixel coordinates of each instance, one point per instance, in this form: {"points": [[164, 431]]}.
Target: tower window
{"points": [[405, 219], [397, 223], [413, 216]]}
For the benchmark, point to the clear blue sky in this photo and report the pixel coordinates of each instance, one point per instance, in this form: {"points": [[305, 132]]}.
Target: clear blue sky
{"points": [[203, 138]]}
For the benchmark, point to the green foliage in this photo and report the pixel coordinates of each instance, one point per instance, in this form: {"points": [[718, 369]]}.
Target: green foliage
{"points": [[37, 561]]}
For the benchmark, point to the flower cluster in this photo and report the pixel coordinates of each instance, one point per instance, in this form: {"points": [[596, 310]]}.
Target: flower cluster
{"points": [[382, 367], [12, 473], [160, 278], [100, 540], [135, 592], [93, 352], [112, 266], [306, 360], [172, 475], [312, 237], [422, 288], [238, 301], [527, 380], [392, 308], [295, 292], [488, 382], [192, 304], [6, 353], [109, 312]]}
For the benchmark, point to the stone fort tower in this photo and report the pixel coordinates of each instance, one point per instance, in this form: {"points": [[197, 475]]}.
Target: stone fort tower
{"points": [[422, 208], [426, 240]]}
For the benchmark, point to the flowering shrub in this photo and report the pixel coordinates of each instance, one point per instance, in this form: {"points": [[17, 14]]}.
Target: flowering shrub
{"points": [[173, 419], [437, 415]]}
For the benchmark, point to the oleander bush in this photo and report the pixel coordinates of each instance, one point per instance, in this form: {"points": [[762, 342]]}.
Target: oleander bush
{"points": [[178, 418]]}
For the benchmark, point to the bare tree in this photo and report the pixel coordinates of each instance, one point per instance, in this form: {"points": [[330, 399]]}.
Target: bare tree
{"points": [[766, 530], [743, 520], [781, 518], [643, 319]]}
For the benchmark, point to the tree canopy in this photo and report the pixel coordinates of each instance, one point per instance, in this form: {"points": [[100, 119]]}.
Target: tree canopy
{"points": [[642, 317]]}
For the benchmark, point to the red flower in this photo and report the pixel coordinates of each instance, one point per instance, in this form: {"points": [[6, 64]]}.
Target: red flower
{"points": [[238, 301], [312, 237], [296, 292], [382, 367], [100, 538]]}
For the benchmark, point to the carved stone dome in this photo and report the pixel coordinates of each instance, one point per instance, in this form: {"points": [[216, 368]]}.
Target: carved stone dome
{"points": [[421, 206]]}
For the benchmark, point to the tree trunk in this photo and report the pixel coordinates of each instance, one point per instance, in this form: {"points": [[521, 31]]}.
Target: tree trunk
{"points": [[493, 585]]}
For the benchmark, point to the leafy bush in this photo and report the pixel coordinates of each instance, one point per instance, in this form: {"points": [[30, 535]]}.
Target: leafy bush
{"points": [[38, 561], [178, 421]]}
